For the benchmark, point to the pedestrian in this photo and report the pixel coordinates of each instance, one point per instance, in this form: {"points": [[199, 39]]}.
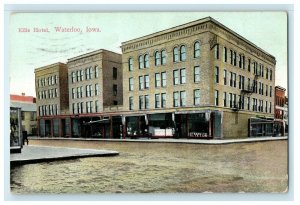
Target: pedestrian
{"points": [[25, 138]]}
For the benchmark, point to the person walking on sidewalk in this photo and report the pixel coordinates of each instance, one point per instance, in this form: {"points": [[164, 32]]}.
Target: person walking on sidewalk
{"points": [[25, 138]]}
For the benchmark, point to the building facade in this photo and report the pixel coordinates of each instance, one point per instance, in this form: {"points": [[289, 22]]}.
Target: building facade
{"points": [[196, 80], [95, 84], [199, 79], [28, 112], [280, 111], [52, 100]]}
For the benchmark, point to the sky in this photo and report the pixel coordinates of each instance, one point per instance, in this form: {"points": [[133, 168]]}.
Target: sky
{"points": [[30, 50]]}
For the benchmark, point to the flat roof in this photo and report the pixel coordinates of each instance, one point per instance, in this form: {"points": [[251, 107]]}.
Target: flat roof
{"points": [[49, 66], [90, 54], [193, 23]]}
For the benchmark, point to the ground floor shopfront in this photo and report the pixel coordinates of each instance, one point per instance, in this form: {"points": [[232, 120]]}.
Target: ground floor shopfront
{"points": [[199, 124]]}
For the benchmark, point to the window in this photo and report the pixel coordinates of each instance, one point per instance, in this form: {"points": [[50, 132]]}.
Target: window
{"points": [[216, 98], [96, 89], [182, 76], [175, 55], [262, 88], [182, 53], [249, 64], [141, 82], [130, 103], [141, 102], [146, 101], [267, 73], [78, 92], [240, 60], [146, 81], [197, 50], [115, 73], [55, 79], [157, 58], [73, 108], [182, 98], [270, 91], [231, 79], [248, 103], [81, 92], [146, 61], [78, 75], [157, 80], [266, 107], [87, 91], [197, 97], [216, 51], [163, 57], [163, 100], [225, 99], [234, 80], [267, 90], [225, 77], [157, 100], [225, 54], [91, 72], [234, 101], [81, 75], [270, 107], [130, 84], [96, 106], [73, 77], [216, 74], [141, 62], [88, 107], [87, 76], [56, 93], [175, 99], [176, 77], [130, 64], [164, 79], [262, 70], [196, 74], [231, 57], [271, 75], [115, 89], [96, 71], [234, 58]]}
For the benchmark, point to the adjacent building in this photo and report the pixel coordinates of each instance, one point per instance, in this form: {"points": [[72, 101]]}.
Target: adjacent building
{"points": [[200, 79], [281, 111], [28, 112], [95, 85], [52, 100]]}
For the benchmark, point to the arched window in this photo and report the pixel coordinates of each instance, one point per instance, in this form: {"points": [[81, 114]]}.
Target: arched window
{"points": [[182, 53], [141, 62], [197, 50], [175, 55], [130, 64], [157, 58], [146, 61], [163, 57]]}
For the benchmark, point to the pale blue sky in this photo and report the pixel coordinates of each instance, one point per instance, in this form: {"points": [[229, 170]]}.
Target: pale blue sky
{"points": [[267, 30]]}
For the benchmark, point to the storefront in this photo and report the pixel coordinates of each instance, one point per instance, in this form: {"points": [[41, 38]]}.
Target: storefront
{"points": [[261, 127], [161, 125]]}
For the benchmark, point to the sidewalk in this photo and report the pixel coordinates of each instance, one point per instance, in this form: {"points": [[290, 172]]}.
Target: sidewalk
{"points": [[36, 154], [170, 140]]}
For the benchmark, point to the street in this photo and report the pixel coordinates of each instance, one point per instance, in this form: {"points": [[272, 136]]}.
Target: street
{"points": [[159, 168]]}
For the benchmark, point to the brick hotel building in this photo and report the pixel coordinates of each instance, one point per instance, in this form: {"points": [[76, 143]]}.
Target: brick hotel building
{"points": [[196, 80]]}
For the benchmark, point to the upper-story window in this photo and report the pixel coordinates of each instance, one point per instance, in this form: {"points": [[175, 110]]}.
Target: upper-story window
{"points": [[78, 75], [175, 55], [146, 60], [197, 51], [157, 58], [163, 57], [196, 74], [81, 75], [141, 62], [73, 77], [115, 89], [130, 64], [225, 54], [115, 73], [182, 53], [130, 84], [96, 71], [216, 51], [271, 75]]}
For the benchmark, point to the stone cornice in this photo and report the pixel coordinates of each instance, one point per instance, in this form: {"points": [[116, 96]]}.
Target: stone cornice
{"points": [[240, 41], [193, 28]]}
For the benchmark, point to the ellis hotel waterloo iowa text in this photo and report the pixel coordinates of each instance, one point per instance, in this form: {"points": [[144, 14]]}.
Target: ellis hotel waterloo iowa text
{"points": [[196, 80]]}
